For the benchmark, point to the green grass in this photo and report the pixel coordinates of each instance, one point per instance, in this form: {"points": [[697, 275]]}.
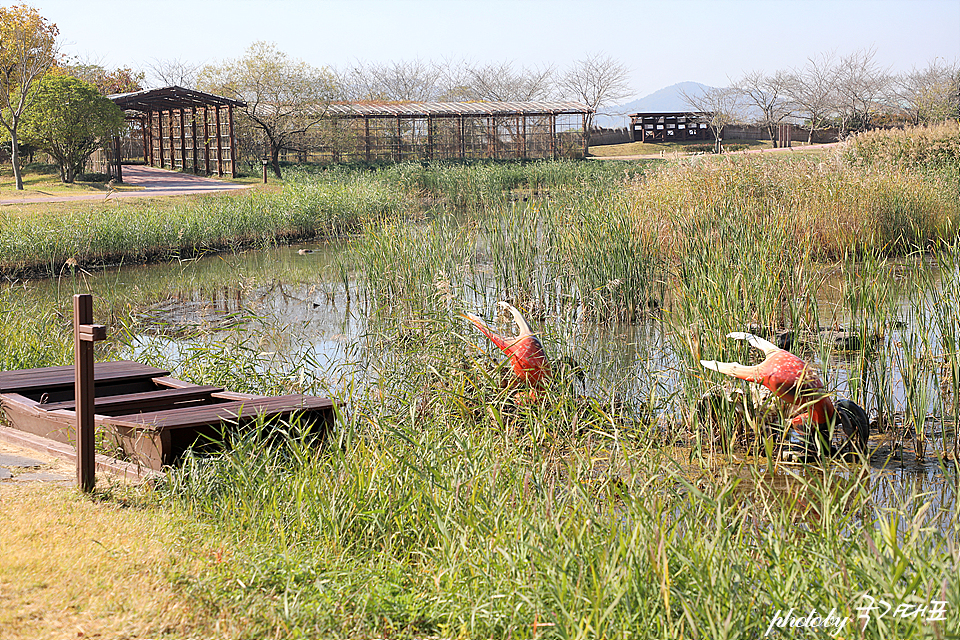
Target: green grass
{"points": [[44, 180], [670, 149]]}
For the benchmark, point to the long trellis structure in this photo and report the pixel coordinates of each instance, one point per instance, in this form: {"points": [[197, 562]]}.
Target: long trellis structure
{"points": [[397, 131], [179, 129]]}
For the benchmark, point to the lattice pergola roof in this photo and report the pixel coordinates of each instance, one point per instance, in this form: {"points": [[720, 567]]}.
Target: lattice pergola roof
{"points": [[469, 109], [167, 98]]}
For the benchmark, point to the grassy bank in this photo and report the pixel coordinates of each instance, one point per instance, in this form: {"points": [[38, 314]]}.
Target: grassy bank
{"points": [[150, 230]]}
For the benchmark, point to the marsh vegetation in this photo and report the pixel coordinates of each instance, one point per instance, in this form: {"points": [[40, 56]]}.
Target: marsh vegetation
{"points": [[440, 507]]}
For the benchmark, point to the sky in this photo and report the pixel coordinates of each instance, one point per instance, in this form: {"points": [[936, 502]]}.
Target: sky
{"points": [[665, 42]]}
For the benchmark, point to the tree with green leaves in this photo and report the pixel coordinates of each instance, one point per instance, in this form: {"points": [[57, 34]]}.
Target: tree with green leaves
{"points": [[28, 48], [69, 119], [285, 98], [107, 81]]}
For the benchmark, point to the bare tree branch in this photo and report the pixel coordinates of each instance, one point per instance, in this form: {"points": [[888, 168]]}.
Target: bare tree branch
{"points": [[595, 81]]}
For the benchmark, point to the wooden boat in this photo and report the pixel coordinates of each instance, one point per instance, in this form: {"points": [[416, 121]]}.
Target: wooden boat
{"points": [[154, 418]]}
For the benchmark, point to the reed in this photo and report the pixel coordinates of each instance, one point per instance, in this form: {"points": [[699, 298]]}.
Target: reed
{"points": [[150, 230]]}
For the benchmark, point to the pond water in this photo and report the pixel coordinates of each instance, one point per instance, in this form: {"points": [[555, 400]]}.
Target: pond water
{"points": [[293, 303]]}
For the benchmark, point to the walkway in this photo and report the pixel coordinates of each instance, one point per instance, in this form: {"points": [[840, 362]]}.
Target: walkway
{"points": [[150, 182]]}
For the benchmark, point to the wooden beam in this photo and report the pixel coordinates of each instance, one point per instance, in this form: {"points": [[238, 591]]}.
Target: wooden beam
{"points": [[85, 333]]}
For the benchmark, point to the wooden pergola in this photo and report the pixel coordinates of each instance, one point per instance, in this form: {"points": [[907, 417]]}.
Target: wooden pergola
{"points": [[400, 131], [182, 129]]}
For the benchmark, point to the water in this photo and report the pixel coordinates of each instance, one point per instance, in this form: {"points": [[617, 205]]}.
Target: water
{"points": [[293, 305]]}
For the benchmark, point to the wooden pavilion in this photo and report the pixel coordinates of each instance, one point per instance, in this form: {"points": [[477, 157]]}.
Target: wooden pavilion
{"points": [[181, 129], [670, 126]]}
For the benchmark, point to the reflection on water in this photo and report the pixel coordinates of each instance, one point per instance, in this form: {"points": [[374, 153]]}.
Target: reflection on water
{"points": [[292, 305]]}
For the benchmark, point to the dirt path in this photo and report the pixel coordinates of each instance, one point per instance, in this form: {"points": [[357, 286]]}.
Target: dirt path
{"points": [[146, 182]]}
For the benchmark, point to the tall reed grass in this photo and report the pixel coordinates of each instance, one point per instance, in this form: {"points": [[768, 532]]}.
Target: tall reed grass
{"points": [[150, 230]]}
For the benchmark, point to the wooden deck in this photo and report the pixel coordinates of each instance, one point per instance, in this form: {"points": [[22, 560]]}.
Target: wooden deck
{"points": [[27, 381], [153, 417]]}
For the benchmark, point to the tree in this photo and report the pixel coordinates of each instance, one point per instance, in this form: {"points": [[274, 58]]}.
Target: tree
{"points": [[285, 98], [595, 80], [173, 72], [28, 48], [929, 95], [721, 106], [862, 88], [107, 82], [413, 80], [811, 89], [69, 119], [769, 95], [500, 82]]}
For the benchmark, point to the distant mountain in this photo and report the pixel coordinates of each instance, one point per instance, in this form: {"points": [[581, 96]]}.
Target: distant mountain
{"points": [[666, 99]]}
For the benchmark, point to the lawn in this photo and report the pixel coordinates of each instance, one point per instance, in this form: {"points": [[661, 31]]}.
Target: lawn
{"points": [[670, 148], [44, 180]]}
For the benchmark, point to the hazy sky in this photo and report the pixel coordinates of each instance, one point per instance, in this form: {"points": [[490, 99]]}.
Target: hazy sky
{"points": [[663, 42]]}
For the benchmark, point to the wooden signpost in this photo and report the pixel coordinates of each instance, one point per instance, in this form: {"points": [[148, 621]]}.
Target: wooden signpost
{"points": [[85, 333]]}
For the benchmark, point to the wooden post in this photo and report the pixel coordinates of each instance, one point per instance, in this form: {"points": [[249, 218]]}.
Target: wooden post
{"points": [[119, 158], [553, 136], [143, 136], [523, 136], [206, 139], [219, 144], [233, 144], [366, 137], [193, 134], [399, 155], [173, 143], [160, 136], [183, 143], [85, 333], [149, 159]]}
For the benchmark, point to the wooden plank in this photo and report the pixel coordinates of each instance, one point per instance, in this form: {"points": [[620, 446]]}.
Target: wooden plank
{"points": [[140, 401], [236, 411], [46, 378]]}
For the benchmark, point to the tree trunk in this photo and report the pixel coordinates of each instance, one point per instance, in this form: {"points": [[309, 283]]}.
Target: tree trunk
{"points": [[275, 161], [15, 158]]}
